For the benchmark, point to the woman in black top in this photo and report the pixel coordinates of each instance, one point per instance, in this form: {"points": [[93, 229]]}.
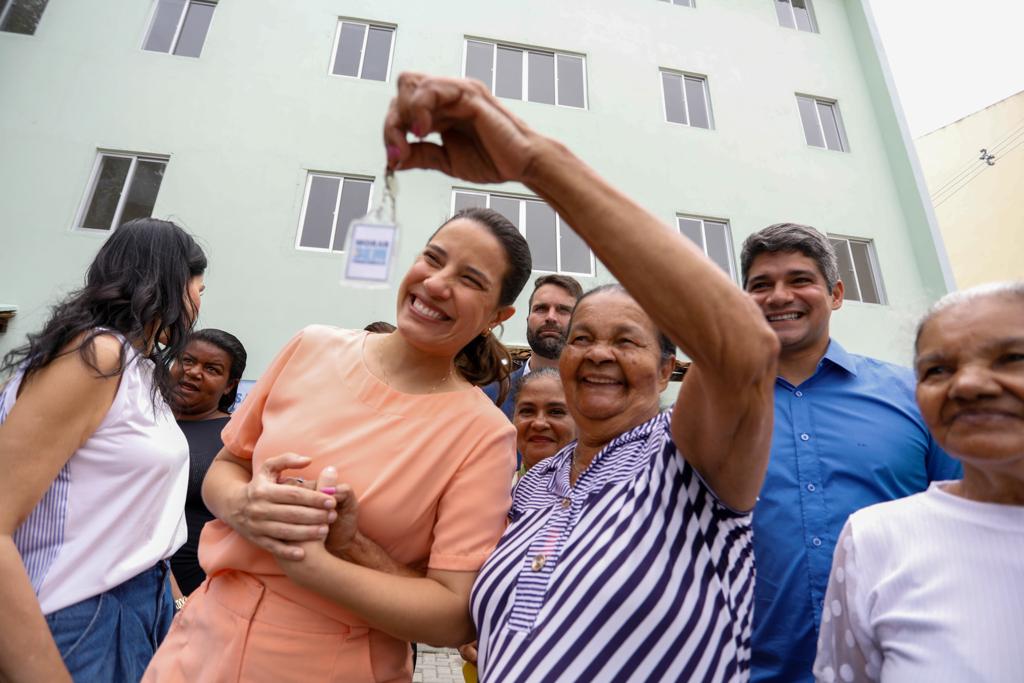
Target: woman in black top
{"points": [[206, 375]]}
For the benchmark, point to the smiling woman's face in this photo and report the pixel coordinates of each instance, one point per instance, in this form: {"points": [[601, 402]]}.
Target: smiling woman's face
{"points": [[970, 373], [542, 421], [611, 367]]}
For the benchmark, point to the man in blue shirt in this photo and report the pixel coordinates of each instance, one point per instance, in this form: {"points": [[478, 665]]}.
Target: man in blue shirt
{"points": [[547, 324], [847, 434]]}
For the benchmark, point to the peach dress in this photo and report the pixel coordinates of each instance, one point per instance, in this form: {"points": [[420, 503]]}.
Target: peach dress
{"points": [[431, 474]]}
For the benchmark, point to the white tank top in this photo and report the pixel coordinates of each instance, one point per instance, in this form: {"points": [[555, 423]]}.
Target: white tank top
{"points": [[117, 507]]}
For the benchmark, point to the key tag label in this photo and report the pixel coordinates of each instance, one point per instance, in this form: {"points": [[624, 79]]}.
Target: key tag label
{"points": [[371, 245]]}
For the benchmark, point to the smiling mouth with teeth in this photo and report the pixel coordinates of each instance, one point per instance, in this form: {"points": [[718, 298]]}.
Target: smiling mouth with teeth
{"points": [[783, 316], [426, 311]]}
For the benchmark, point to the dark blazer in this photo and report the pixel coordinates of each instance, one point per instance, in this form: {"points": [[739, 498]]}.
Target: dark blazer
{"points": [[508, 407]]}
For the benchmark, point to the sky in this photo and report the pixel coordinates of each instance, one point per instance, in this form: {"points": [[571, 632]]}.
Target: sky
{"points": [[950, 58]]}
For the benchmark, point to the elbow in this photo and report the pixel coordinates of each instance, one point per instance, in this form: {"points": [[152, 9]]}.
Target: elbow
{"points": [[458, 633]]}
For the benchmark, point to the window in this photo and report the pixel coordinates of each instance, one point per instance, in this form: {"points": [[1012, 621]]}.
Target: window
{"points": [[179, 27], [123, 187], [712, 235], [858, 269], [21, 16], [554, 246], [686, 99], [823, 127], [796, 14], [330, 204], [362, 50], [528, 74], [684, 3]]}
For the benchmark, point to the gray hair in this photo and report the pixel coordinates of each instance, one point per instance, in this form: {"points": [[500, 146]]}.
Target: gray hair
{"points": [[542, 373], [782, 237], [1009, 288]]}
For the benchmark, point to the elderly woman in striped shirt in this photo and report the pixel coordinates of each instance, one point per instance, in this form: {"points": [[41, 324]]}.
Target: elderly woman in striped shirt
{"points": [[628, 553]]}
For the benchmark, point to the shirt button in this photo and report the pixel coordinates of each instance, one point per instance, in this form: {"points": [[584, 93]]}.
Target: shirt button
{"points": [[816, 542], [538, 562], [798, 394], [812, 488], [805, 437], [566, 502]]}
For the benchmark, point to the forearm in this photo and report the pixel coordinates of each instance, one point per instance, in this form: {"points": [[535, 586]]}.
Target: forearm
{"points": [[417, 609], [224, 482], [27, 650], [365, 553], [686, 295]]}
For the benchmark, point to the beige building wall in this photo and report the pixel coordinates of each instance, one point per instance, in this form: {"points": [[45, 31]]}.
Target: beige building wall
{"points": [[980, 207]]}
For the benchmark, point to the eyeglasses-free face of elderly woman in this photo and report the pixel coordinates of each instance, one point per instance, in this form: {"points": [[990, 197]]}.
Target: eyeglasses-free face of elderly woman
{"points": [[542, 420], [970, 368]]}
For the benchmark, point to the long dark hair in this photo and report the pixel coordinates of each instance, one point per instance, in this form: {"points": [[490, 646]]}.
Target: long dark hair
{"points": [[136, 286], [485, 359], [229, 344]]}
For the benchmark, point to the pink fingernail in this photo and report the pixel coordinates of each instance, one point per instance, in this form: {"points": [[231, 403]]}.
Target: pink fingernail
{"points": [[329, 490], [393, 153]]}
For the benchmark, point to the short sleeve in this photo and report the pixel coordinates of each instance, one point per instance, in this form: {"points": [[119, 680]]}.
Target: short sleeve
{"points": [[847, 650], [246, 424], [474, 506]]}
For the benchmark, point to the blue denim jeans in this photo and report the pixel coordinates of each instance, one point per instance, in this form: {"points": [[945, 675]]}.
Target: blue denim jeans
{"points": [[111, 637]]}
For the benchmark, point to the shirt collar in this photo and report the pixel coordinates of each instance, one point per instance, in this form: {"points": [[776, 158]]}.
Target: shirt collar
{"points": [[526, 366], [837, 355]]}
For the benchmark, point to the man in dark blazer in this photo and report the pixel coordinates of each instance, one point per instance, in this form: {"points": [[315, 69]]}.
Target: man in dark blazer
{"points": [[547, 325]]}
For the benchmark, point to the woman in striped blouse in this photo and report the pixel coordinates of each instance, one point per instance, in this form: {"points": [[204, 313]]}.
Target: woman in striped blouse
{"points": [[628, 553]]}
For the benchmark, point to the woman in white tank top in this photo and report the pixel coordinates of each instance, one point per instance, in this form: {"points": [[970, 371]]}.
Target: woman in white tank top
{"points": [[96, 467]]}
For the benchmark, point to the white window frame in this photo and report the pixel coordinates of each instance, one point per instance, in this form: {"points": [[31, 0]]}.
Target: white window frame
{"points": [[342, 177], [7, 10], [873, 265], [730, 249], [526, 50], [810, 13], [94, 177], [707, 98], [685, 3], [177, 30], [840, 126], [522, 226], [362, 54]]}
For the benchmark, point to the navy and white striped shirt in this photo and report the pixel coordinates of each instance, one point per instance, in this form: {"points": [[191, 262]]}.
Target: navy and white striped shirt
{"points": [[637, 573]]}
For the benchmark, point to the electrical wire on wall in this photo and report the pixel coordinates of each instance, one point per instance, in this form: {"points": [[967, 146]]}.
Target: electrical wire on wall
{"points": [[987, 158]]}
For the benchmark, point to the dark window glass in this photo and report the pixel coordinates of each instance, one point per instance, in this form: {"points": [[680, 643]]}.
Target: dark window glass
{"points": [[804, 16], [717, 235], [106, 193], [466, 200], [672, 87], [316, 225], [165, 25], [570, 81], [785, 13], [193, 30], [143, 190], [809, 117], [378, 53], [22, 16], [690, 227], [696, 103], [355, 202], [830, 126], [350, 49], [541, 77], [540, 235], [509, 76], [575, 252], [480, 62], [846, 273], [865, 272], [507, 207]]}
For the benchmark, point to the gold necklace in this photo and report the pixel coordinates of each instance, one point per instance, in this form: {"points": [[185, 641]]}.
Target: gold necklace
{"points": [[387, 380]]}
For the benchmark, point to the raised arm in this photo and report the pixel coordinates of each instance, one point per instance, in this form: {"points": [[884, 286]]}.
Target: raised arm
{"points": [[58, 410], [723, 418]]}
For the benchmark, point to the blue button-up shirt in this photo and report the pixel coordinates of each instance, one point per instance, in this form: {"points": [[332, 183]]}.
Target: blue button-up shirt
{"points": [[849, 436]]}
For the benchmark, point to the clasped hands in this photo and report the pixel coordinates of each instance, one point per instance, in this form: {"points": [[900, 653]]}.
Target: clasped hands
{"points": [[291, 518]]}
